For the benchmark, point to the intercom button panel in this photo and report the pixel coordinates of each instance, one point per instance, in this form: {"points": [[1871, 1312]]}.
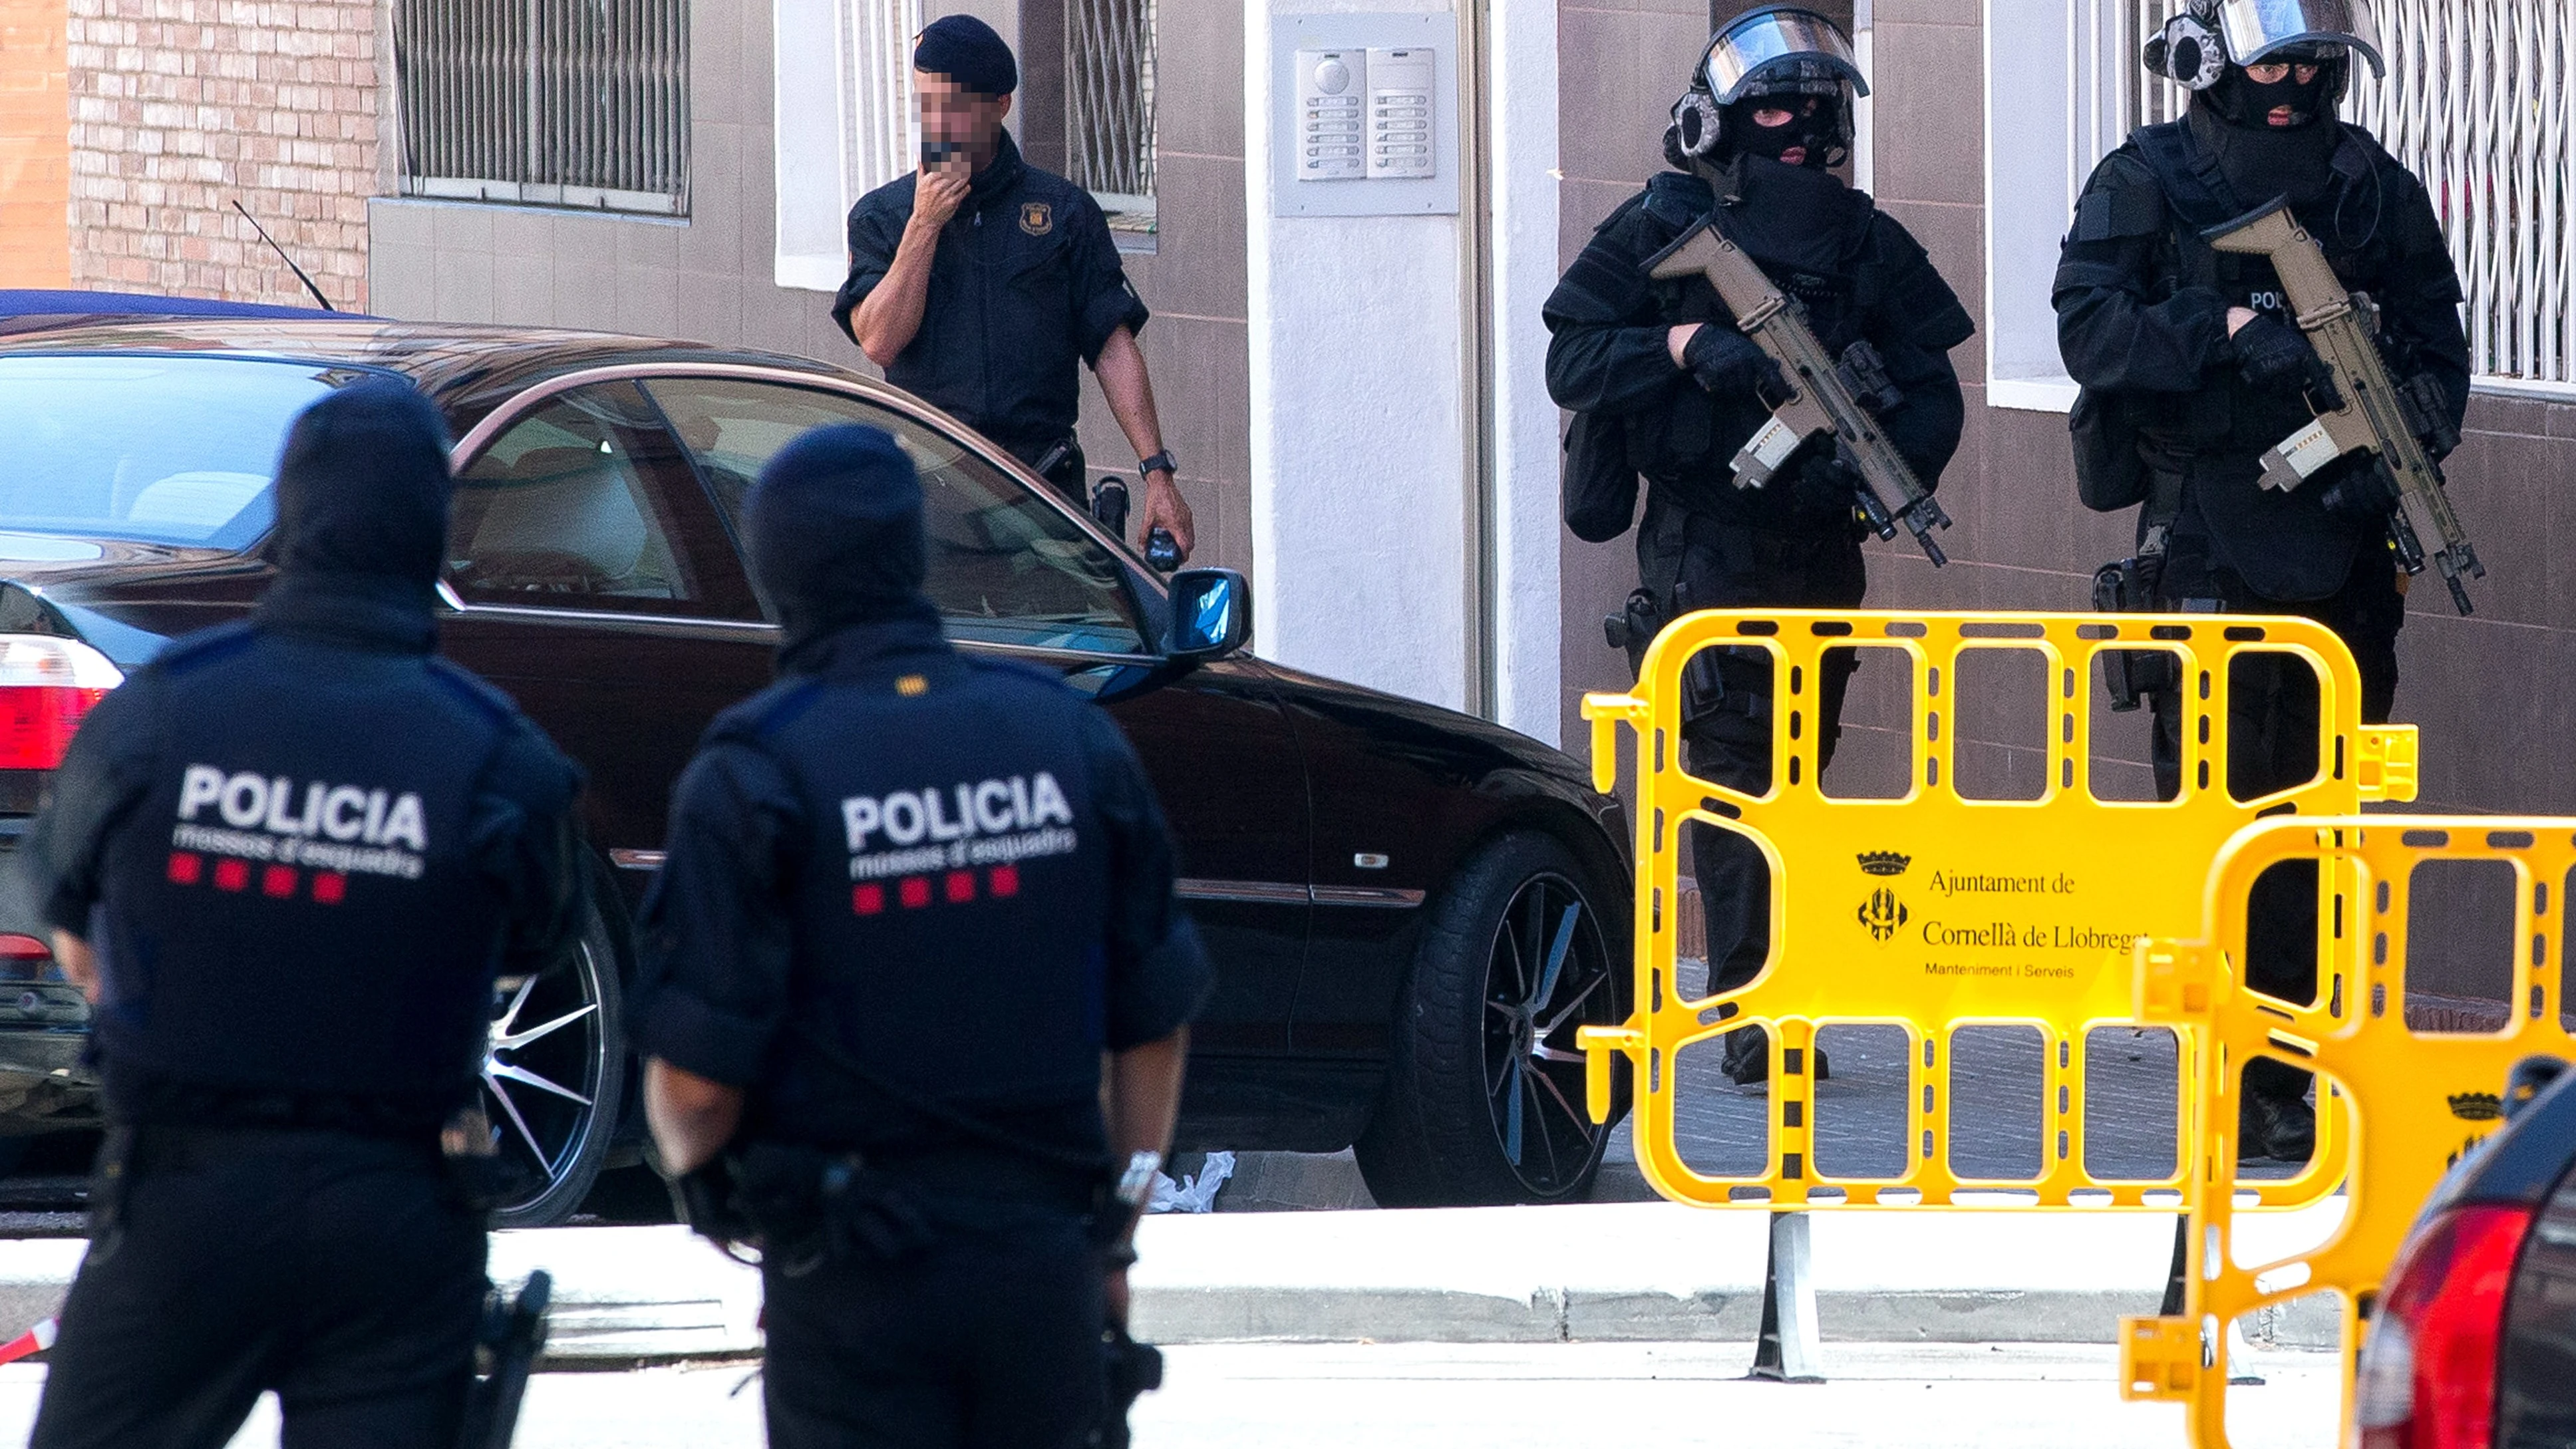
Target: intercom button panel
{"points": [[1400, 112], [1333, 105]]}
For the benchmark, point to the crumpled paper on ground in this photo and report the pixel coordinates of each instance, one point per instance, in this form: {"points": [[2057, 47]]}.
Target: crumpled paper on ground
{"points": [[1195, 1193]]}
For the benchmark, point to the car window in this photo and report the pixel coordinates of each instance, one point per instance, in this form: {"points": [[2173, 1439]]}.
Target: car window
{"points": [[1006, 567], [170, 450], [583, 504]]}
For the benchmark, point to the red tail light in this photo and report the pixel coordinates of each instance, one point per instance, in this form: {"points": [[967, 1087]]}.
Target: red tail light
{"points": [[2428, 1372], [47, 685]]}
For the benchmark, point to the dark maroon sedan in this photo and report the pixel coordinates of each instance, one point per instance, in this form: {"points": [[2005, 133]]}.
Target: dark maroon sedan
{"points": [[1412, 911]]}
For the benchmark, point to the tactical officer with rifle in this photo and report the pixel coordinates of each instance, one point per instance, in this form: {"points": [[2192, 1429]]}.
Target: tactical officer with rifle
{"points": [[1771, 352], [286, 860], [910, 902], [2277, 426]]}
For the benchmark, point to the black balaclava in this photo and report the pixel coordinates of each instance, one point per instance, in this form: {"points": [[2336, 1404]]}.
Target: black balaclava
{"points": [[2262, 160], [2240, 100], [363, 488], [1820, 133], [835, 534]]}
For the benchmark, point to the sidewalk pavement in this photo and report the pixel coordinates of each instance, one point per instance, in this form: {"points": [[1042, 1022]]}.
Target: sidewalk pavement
{"points": [[1633, 1272], [1476, 1396]]}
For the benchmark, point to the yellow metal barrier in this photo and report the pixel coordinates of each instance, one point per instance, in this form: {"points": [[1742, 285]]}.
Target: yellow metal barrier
{"points": [[2410, 1099], [1933, 911]]}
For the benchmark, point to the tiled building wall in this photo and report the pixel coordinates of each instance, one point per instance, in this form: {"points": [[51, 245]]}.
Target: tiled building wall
{"points": [[1621, 62], [708, 276], [35, 159], [180, 108], [1199, 344]]}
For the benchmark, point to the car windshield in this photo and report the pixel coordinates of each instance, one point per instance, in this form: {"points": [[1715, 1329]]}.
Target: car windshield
{"points": [[173, 450]]}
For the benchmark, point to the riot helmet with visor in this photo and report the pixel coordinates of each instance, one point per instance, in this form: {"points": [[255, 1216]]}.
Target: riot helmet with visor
{"points": [[1773, 57], [2210, 45]]}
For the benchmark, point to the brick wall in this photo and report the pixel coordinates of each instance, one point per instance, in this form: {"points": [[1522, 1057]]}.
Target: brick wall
{"points": [[35, 247], [179, 108]]}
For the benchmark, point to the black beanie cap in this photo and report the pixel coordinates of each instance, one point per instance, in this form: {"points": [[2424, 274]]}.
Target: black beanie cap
{"points": [[967, 51]]}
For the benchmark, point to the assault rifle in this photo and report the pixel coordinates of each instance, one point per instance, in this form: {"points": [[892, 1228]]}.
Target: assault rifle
{"points": [[1837, 397], [2373, 415]]}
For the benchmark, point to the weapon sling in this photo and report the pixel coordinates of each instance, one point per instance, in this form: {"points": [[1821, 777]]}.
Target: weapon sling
{"points": [[1824, 395]]}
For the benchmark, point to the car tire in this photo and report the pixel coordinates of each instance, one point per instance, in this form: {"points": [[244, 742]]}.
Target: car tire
{"points": [[1474, 1035], [554, 1079]]}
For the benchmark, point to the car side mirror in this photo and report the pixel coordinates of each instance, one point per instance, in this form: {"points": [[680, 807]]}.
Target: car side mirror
{"points": [[1211, 613]]}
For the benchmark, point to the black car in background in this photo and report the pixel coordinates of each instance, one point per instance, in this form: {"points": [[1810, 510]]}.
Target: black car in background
{"points": [[1412, 911], [2473, 1339]]}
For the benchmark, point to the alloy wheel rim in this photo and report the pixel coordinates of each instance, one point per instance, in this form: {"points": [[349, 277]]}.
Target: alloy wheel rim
{"points": [[541, 1065], [1547, 976]]}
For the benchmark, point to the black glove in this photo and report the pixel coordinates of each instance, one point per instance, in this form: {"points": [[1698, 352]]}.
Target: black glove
{"points": [[2427, 410], [1825, 483], [2361, 490], [1723, 360], [2273, 355]]}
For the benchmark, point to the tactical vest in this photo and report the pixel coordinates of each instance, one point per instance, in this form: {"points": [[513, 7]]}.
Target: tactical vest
{"points": [[296, 908], [950, 900], [2198, 197], [1685, 449], [2201, 446]]}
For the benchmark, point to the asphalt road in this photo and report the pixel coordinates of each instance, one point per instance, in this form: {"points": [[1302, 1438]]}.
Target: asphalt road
{"points": [[1999, 1106], [1432, 1396]]}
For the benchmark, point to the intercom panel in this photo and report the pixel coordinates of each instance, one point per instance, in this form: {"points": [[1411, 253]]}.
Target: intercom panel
{"points": [[1332, 96], [1363, 114], [1401, 85]]}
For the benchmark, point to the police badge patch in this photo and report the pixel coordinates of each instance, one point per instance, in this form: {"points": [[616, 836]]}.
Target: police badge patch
{"points": [[1036, 218]]}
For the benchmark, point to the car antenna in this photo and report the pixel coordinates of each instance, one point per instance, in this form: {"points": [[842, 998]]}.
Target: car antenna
{"points": [[283, 257]]}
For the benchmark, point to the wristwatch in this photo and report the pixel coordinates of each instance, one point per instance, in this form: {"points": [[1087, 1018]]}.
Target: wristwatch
{"points": [[1160, 462]]}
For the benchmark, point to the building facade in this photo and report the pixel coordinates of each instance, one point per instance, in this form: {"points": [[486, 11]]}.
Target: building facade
{"points": [[1355, 400]]}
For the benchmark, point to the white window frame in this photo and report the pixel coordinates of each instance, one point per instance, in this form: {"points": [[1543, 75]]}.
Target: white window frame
{"points": [[2058, 135], [844, 123], [1864, 160], [2465, 135]]}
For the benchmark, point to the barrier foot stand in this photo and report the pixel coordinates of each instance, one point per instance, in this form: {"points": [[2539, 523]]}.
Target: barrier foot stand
{"points": [[2172, 1306], [2238, 1352], [1792, 1347]]}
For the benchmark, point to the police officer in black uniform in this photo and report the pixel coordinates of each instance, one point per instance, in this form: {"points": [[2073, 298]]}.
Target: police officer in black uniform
{"points": [[286, 860], [2201, 373], [979, 282], [910, 900], [1767, 113]]}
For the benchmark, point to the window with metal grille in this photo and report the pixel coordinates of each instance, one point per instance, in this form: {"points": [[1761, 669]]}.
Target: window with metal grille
{"points": [[579, 103], [1109, 106], [2476, 102]]}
